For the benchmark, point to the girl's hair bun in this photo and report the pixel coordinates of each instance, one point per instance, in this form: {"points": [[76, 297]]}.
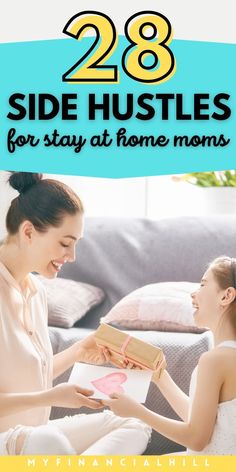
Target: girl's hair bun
{"points": [[22, 181]]}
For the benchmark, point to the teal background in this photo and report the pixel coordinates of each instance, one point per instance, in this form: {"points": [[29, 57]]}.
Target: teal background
{"points": [[33, 67]]}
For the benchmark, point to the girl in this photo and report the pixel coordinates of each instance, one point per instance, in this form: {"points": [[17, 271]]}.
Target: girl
{"points": [[209, 413], [44, 223]]}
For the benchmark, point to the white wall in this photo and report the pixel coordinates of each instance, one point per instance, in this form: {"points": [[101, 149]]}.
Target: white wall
{"points": [[152, 197], [109, 197], [202, 20]]}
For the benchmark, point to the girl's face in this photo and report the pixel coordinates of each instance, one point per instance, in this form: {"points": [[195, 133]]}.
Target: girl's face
{"points": [[207, 301], [49, 251]]}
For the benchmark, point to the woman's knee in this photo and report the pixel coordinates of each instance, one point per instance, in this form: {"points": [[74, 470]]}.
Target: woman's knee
{"points": [[46, 440], [139, 426], [133, 425]]}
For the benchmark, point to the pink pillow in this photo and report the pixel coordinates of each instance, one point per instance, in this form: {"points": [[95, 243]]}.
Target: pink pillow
{"points": [[163, 306], [69, 301]]}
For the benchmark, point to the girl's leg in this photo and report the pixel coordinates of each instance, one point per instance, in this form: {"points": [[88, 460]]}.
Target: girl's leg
{"points": [[104, 434]]}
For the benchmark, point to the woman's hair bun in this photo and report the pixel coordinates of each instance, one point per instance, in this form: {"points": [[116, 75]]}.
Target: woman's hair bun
{"points": [[22, 181]]}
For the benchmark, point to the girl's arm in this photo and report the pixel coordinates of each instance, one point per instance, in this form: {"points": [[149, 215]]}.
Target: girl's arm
{"points": [[177, 399], [195, 433]]}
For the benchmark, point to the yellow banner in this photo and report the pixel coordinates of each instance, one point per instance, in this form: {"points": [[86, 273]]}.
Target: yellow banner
{"points": [[118, 463]]}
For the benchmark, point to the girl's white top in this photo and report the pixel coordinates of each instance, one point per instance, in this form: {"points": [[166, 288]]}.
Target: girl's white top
{"points": [[223, 440]]}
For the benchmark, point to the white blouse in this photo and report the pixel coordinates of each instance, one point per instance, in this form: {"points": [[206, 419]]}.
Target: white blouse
{"points": [[25, 348]]}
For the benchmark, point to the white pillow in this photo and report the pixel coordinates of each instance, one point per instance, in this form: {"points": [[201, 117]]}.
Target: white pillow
{"points": [[163, 306]]}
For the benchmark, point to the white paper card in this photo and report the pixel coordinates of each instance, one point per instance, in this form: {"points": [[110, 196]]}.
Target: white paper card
{"points": [[106, 380]]}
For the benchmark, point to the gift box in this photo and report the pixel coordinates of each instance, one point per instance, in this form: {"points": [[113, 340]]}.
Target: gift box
{"points": [[122, 347]]}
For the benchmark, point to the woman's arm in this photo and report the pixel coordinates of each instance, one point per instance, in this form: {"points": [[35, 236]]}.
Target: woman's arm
{"points": [[195, 433], [63, 395], [11, 403], [82, 351], [64, 360]]}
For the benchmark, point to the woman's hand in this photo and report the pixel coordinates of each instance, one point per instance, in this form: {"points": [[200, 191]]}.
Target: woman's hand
{"points": [[124, 406], [89, 352], [72, 396], [82, 351]]}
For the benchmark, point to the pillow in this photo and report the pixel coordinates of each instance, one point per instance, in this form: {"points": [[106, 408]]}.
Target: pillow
{"points": [[163, 306], [69, 301]]}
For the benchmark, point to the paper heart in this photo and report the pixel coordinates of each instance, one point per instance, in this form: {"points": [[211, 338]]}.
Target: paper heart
{"points": [[111, 383]]}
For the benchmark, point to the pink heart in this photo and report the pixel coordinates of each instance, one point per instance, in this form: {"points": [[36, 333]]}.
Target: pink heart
{"points": [[111, 383]]}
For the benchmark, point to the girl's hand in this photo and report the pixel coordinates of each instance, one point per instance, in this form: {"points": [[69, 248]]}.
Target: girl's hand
{"points": [[72, 396], [122, 405], [131, 365], [158, 372], [125, 364]]}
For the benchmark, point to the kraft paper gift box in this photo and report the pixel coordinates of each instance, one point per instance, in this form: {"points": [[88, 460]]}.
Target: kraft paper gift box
{"points": [[123, 346]]}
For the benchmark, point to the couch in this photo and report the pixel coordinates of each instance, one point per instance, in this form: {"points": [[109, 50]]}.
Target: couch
{"points": [[120, 255]]}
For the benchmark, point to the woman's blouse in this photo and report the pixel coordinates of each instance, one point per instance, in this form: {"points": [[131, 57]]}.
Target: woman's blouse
{"points": [[25, 348]]}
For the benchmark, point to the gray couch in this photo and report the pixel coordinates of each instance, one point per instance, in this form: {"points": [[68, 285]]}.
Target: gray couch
{"points": [[120, 255]]}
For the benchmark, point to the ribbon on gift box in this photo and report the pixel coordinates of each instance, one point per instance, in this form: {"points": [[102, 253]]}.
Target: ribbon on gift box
{"points": [[121, 345], [124, 346]]}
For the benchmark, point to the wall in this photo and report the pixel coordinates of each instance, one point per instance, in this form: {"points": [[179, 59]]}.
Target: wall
{"points": [[152, 197]]}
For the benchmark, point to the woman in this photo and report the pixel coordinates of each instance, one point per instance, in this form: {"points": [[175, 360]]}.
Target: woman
{"points": [[209, 413], [44, 224]]}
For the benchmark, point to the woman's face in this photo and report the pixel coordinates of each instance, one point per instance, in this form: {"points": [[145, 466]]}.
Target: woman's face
{"points": [[206, 301], [50, 250]]}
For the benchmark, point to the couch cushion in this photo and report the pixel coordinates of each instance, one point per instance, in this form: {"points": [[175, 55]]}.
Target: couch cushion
{"points": [[165, 306], [68, 301]]}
